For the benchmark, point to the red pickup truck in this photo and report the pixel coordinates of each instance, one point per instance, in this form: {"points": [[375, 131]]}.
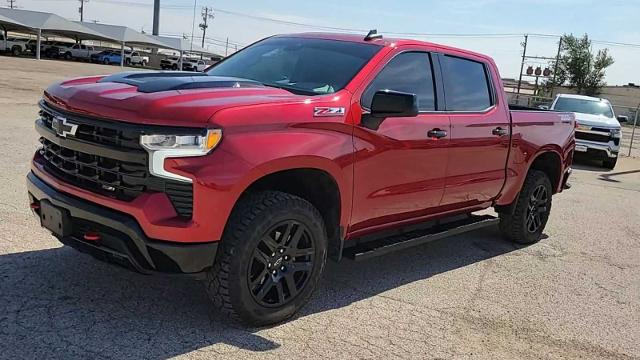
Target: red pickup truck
{"points": [[296, 149]]}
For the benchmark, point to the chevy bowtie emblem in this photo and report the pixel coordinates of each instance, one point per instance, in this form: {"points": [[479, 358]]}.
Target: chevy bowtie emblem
{"points": [[62, 127]]}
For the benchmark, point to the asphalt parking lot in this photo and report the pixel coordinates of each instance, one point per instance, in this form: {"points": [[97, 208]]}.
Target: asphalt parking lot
{"points": [[575, 294]]}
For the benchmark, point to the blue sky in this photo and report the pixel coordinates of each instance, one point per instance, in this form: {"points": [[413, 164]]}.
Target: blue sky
{"points": [[613, 20]]}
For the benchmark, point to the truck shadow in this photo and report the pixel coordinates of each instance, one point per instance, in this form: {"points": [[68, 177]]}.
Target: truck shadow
{"points": [[63, 304]]}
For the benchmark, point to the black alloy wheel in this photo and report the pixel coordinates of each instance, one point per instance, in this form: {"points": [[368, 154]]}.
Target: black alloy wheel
{"points": [[538, 202], [271, 257], [281, 264], [526, 219]]}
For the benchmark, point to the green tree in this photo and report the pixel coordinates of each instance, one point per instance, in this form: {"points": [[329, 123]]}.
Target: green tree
{"points": [[578, 68]]}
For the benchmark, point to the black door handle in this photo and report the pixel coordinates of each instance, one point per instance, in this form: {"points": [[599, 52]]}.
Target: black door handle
{"points": [[499, 131], [436, 133]]}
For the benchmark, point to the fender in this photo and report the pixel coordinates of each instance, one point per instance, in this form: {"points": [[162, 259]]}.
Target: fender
{"points": [[226, 173], [516, 172]]}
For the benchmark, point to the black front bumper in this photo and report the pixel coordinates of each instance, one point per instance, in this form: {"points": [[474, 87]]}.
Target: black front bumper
{"points": [[122, 241]]}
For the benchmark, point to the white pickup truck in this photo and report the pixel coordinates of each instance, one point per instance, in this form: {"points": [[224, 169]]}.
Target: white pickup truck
{"points": [[14, 45], [598, 131], [77, 51], [194, 65], [135, 58]]}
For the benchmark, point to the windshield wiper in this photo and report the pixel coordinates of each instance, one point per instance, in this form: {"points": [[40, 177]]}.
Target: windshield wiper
{"points": [[291, 89]]}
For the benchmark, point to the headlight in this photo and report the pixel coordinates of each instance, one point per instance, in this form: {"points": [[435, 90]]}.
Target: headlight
{"points": [[615, 133], [161, 147]]}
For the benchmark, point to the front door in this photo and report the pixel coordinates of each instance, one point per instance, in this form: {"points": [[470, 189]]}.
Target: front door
{"points": [[400, 166]]}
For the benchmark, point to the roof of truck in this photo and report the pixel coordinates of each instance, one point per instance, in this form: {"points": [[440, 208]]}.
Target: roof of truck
{"points": [[383, 41]]}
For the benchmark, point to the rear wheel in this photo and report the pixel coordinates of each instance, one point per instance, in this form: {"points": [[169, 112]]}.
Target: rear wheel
{"points": [[610, 163], [531, 212], [106, 61], [16, 51], [270, 260]]}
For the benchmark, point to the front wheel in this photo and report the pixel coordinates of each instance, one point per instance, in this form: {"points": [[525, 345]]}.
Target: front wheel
{"points": [[531, 212], [610, 163], [271, 257]]}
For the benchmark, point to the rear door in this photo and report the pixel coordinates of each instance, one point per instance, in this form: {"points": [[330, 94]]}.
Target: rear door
{"points": [[479, 131], [399, 169]]}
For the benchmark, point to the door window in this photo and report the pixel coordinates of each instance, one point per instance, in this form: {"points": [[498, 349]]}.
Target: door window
{"points": [[409, 72], [466, 84]]}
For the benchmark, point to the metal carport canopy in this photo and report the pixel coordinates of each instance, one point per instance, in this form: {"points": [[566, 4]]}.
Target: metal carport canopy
{"points": [[124, 36], [8, 24], [182, 46], [53, 24]]}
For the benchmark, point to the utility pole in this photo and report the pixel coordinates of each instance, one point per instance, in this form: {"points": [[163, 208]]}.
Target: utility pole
{"points": [[555, 67], [524, 56], [156, 17], [226, 48], [81, 9], [12, 4], [207, 13]]}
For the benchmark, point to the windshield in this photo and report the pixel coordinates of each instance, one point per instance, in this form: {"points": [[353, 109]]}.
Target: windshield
{"points": [[584, 106], [300, 65]]}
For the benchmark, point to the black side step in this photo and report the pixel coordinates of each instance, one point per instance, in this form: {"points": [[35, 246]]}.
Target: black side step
{"points": [[441, 230]]}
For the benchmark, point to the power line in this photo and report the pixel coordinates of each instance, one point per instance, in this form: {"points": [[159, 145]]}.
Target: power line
{"points": [[357, 30]]}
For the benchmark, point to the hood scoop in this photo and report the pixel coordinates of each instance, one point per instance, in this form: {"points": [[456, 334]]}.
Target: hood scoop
{"points": [[156, 81]]}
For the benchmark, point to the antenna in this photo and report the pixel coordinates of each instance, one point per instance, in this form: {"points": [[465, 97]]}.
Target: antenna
{"points": [[372, 35]]}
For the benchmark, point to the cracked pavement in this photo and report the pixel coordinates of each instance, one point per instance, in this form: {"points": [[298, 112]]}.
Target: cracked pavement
{"points": [[575, 294]]}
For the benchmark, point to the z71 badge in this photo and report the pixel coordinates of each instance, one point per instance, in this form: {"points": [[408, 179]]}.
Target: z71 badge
{"points": [[328, 111]]}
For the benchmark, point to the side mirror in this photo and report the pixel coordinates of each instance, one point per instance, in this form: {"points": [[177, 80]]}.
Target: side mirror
{"points": [[543, 107], [623, 118], [388, 103]]}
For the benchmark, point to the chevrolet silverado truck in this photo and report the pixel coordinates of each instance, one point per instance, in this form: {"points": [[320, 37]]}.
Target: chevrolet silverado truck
{"points": [[170, 63], [297, 149], [598, 131], [77, 51], [16, 46], [198, 65]]}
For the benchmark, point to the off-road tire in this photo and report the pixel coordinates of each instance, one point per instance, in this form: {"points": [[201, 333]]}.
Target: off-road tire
{"points": [[514, 226], [610, 163], [227, 282]]}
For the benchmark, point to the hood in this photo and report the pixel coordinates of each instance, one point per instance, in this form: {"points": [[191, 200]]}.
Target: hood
{"points": [[161, 98], [597, 121]]}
